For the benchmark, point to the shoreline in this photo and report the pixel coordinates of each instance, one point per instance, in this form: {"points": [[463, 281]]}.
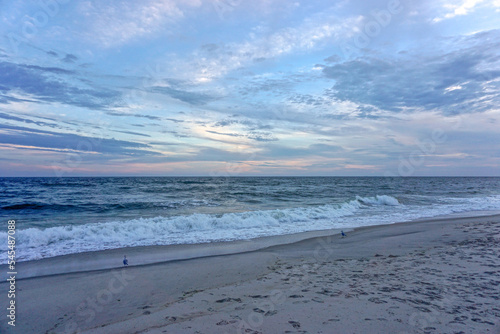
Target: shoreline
{"points": [[156, 254], [318, 277]]}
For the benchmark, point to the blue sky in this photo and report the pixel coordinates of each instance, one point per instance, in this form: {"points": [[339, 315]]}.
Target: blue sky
{"points": [[263, 87]]}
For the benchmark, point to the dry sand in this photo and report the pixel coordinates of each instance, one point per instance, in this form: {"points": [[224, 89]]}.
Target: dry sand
{"points": [[440, 276]]}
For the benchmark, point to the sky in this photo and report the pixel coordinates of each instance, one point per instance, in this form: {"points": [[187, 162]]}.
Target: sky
{"points": [[241, 88]]}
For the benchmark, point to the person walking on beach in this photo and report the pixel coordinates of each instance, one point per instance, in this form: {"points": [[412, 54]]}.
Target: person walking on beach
{"points": [[125, 261], [343, 234]]}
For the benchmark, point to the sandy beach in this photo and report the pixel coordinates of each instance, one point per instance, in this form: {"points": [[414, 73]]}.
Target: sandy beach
{"points": [[436, 276]]}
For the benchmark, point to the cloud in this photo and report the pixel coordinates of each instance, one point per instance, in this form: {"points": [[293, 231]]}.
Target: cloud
{"points": [[253, 135], [276, 151], [244, 128], [132, 133], [308, 99], [27, 121], [176, 134], [272, 86], [52, 84], [193, 98], [262, 136], [332, 59], [44, 69], [114, 23], [215, 61], [225, 133], [123, 114], [459, 8], [6, 99], [249, 124], [424, 81], [150, 117], [69, 58], [41, 139]]}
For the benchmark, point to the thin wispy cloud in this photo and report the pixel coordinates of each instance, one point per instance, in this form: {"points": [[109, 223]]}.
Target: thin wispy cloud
{"points": [[51, 84], [464, 7], [213, 61], [116, 23]]}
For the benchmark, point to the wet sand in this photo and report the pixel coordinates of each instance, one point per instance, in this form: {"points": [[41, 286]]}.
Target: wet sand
{"points": [[439, 276]]}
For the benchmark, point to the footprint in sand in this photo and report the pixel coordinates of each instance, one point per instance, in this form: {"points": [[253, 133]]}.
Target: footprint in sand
{"points": [[258, 296], [225, 322], [330, 320], [377, 300], [296, 296], [228, 299]]}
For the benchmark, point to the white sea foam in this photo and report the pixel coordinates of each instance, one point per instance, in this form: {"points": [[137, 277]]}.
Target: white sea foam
{"points": [[35, 243], [378, 200]]}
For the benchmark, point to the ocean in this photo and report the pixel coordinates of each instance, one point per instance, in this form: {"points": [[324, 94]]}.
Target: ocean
{"points": [[57, 216]]}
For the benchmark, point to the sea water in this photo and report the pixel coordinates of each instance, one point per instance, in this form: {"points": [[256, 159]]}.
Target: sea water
{"points": [[57, 216]]}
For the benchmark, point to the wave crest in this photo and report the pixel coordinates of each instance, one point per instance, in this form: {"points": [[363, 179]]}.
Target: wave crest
{"points": [[35, 243], [378, 200]]}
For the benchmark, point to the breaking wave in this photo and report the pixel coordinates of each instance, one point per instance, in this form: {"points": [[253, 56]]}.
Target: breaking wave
{"points": [[36, 243]]}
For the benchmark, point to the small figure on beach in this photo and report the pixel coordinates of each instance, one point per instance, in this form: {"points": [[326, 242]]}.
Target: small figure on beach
{"points": [[343, 234], [125, 261]]}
